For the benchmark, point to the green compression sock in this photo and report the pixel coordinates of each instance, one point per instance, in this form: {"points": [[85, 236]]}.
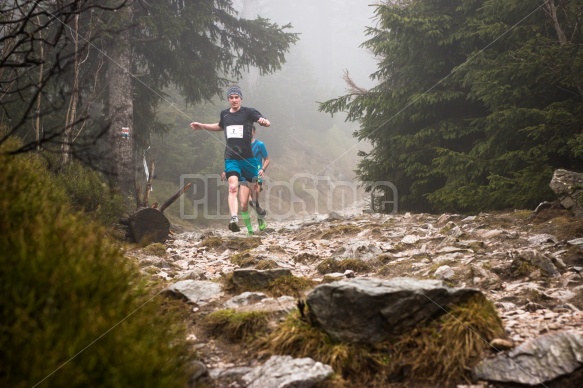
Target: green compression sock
{"points": [[247, 220], [262, 224]]}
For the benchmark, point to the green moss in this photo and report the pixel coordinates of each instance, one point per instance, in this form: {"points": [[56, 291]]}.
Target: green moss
{"points": [[521, 268], [66, 293]]}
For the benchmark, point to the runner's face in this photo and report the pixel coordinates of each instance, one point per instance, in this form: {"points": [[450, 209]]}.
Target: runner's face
{"points": [[235, 101]]}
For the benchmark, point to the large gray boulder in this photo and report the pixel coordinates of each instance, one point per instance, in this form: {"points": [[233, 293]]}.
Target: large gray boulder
{"points": [[255, 279], [568, 186], [372, 310], [536, 361], [199, 293]]}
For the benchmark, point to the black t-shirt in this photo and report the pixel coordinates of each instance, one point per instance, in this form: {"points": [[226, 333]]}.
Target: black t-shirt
{"points": [[238, 127]]}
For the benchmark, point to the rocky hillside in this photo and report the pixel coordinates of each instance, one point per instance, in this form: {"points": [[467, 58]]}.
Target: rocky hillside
{"points": [[527, 264]]}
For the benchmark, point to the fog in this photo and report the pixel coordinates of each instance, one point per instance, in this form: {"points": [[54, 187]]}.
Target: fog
{"points": [[313, 155], [330, 33]]}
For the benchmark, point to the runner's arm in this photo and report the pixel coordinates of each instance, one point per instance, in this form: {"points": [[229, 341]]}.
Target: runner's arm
{"points": [[209, 127]]}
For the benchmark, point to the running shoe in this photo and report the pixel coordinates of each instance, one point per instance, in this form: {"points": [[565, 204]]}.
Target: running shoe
{"points": [[233, 227], [262, 212], [261, 223]]}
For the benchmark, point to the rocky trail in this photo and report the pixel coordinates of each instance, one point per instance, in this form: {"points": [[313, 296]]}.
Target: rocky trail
{"points": [[527, 263]]}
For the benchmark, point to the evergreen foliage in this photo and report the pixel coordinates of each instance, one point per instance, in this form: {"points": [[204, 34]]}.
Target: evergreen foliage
{"points": [[477, 102], [198, 48], [73, 310]]}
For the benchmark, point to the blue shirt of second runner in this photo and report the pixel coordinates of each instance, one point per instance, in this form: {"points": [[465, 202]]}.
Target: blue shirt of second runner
{"points": [[260, 152]]}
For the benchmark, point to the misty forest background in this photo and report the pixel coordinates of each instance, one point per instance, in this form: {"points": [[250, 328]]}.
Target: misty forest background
{"points": [[464, 106]]}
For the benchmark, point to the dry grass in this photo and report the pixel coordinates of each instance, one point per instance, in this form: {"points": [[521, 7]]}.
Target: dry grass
{"points": [[155, 249], [284, 285], [289, 285], [243, 259], [298, 338], [332, 265], [340, 230], [437, 353], [212, 242], [236, 326], [266, 264], [243, 243], [443, 351], [306, 258]]}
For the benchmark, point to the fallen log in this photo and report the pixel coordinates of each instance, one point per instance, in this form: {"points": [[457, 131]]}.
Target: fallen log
{"points": [[149, 225]]}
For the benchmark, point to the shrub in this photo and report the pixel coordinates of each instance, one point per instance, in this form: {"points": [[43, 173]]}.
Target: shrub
{"points": [[73, 310], [90, 193]]}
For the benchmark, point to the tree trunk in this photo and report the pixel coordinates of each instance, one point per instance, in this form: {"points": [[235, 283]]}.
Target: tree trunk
{"points": [[37, 124], [74, 100], [121, 137]]}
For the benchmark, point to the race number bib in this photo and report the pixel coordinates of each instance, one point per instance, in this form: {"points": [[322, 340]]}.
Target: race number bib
{"points": [[234, 132]]}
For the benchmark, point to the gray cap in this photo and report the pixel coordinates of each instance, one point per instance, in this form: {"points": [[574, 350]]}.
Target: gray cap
{"points": [[235, 90]]}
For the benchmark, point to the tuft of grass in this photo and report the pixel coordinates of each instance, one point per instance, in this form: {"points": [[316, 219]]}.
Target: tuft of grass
{"points": [[536, 296], [156, 249], [243, 259], [289, 285], [266, 264], [383, 259], [360, 365], [436, 353], [236, 326], [521, 268], [305, 258], [340, 230], [212, 242], [332, 265], [284, 285], [443, 351], [243, 243]]}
